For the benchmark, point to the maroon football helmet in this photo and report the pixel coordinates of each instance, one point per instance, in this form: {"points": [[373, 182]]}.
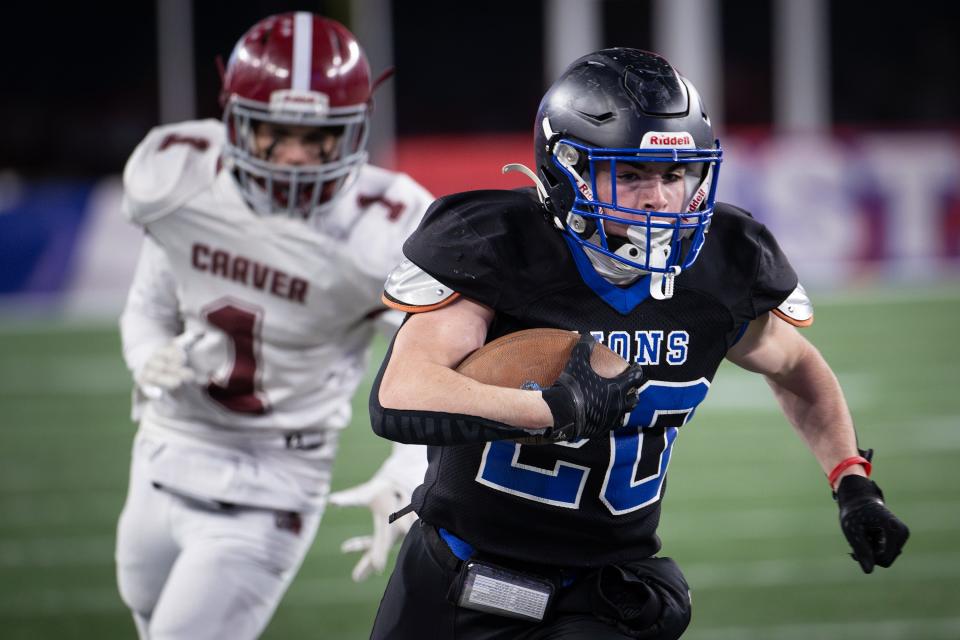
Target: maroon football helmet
{"points": [[298, 71]]}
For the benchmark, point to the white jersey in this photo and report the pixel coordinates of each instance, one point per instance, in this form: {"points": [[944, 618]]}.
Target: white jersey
{"points": [[278, 313]]}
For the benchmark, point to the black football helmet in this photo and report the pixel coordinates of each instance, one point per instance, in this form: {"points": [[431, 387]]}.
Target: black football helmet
{"points": [[626, 106]]}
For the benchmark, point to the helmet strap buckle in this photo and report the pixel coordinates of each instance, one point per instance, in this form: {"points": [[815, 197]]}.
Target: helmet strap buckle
{"points": [[661, 283]]}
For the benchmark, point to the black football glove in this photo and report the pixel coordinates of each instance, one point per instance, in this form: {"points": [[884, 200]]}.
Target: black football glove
{"points": [[874, 533], [585, 404]]}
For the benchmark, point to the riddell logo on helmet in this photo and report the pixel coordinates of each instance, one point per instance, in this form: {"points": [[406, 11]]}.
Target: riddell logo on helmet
{"points": [[672, 139], [697, 199], [312, 102]]}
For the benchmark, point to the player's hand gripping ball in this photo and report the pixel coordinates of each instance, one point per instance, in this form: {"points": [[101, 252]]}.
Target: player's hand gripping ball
{"points": [[589, 388]]}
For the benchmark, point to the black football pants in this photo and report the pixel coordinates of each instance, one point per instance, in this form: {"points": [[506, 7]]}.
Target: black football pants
{"points": [[415, 604]]}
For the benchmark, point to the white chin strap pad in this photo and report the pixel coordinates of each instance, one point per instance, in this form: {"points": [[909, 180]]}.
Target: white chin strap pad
{"points": [[630, 252]]}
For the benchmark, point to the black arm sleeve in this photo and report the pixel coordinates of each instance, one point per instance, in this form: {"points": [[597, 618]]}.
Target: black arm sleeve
{"points": [[438, 428]]}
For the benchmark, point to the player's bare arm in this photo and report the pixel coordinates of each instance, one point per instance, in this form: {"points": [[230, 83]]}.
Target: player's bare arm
{"points": [[805, 387], [811, 399], [420, 374], [420, 396]]}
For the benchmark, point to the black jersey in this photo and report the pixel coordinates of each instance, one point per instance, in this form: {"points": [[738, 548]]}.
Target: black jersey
{"points": [[597, 501]]}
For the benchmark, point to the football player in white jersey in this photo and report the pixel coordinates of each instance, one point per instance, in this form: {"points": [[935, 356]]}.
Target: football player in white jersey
{"points": [[267, 242]]}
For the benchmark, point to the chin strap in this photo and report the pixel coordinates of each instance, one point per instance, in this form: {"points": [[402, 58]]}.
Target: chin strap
{"points": [[664, 281], [661, 284]]}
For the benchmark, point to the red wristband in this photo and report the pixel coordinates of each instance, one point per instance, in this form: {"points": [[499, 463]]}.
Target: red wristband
{"points": [[849, 462]]}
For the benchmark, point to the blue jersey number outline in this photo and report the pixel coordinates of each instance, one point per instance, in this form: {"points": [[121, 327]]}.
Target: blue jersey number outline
{"points": [[562, 485]]}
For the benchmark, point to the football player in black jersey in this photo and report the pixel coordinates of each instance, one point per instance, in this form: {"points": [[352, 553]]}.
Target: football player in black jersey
{"points": [[622, 241]]}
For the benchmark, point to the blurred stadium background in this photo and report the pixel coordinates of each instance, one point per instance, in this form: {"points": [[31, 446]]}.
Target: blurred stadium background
{"points": [[840, 123]]}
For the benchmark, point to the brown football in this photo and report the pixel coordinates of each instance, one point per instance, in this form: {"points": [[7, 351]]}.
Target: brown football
{"points": [[533, 355]]}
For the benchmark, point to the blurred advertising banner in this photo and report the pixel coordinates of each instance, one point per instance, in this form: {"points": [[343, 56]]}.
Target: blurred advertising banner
{"points": [[862, 206], [884, 206], [847, 210], [65, 248]]}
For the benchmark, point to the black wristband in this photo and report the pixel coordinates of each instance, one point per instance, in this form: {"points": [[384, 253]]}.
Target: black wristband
{"points": [[564, 409]]}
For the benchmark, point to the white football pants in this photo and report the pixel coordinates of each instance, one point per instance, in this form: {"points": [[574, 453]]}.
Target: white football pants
{"points": [[192, 570]]}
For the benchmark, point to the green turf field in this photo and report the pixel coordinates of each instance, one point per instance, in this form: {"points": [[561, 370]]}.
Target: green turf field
{"points": [[748, 515]]}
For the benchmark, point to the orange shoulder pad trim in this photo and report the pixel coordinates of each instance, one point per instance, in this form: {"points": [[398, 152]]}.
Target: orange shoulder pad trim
{"points": [[797, 323], [393, 303]]}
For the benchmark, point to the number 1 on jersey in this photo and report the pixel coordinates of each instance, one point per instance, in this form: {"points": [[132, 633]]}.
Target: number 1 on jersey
{"points": [[242, 326]]}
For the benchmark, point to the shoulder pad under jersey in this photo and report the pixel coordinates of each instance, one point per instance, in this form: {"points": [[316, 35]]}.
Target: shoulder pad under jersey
{"points": [[476, 241], [172, 164], [797, 309], [409, 288], [742, 266]]}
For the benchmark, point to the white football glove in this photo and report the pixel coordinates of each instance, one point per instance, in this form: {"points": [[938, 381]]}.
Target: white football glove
{"points": [[388, 491], [382, 498], [167, 368]]}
